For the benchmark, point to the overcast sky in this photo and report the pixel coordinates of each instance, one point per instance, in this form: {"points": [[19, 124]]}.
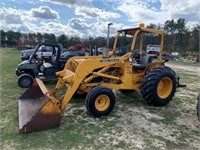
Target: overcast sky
{"points": [[90, 17]]}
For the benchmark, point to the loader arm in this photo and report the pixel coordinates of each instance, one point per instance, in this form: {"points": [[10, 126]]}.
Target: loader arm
{"points": [[73, 79]]}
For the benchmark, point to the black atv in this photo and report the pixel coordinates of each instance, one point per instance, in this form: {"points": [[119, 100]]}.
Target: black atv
{"points": [[42, 66]]}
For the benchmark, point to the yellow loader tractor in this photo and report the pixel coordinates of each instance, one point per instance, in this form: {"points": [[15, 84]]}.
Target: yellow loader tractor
{"points": [[96, 76]]}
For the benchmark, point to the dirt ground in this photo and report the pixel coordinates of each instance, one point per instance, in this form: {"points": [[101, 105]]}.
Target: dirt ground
{"points": [[189, 69]]}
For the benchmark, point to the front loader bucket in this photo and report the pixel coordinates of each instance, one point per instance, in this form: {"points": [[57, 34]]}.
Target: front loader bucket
{"points": [[38, 110]]}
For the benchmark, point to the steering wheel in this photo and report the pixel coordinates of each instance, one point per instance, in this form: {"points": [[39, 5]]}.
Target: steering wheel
{"points": [[136, 55], [37, 59]]}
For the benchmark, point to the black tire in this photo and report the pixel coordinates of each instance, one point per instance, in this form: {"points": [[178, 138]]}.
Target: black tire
{"points": [[25, 80], [93, 101], [198, 107], [159, 86]]}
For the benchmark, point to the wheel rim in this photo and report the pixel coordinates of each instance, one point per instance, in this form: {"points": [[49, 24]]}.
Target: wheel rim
{"points": [[26, 81], [164, 88], [102, 102]]}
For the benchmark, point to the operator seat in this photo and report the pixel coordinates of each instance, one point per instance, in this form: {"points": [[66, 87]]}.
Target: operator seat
{"points": [[143, 62], [53, 59]]}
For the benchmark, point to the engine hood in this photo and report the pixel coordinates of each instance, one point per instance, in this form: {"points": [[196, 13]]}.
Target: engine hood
{"points": [[29, 51], [24, 62]]}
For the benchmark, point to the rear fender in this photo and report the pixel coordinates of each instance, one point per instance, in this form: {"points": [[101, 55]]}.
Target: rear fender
{"points": [[153, 65]]}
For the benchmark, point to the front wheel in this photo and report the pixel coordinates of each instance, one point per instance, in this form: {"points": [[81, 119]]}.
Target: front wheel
{"points": [[159, 86], [100, 101], [25, 80]]}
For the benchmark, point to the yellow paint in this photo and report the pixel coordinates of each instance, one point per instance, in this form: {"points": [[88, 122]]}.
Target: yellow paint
{"points": [[50, 108], [102, 102], [141, 25], [106, 76], [164, 87]]}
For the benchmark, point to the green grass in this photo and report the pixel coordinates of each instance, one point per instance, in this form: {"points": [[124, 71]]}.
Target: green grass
{"points": [[132, 124]]}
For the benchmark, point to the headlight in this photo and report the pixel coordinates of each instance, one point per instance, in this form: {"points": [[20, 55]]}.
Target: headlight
{"points": [[130, 59]]}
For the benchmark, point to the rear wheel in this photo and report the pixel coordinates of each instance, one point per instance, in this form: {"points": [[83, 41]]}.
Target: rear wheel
{"points": [[100, 101], [159, 86], [25, 80]]}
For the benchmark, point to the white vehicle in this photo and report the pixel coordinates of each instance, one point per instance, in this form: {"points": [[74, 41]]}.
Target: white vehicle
{"points": [[44, 51], [153, 50], [100, 50]]}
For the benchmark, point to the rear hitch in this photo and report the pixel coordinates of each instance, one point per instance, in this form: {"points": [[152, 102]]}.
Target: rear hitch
{"points": [[178, 83]]}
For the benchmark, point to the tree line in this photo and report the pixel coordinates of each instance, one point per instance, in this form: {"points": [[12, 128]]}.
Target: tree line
{"points": [[179, 37]]}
